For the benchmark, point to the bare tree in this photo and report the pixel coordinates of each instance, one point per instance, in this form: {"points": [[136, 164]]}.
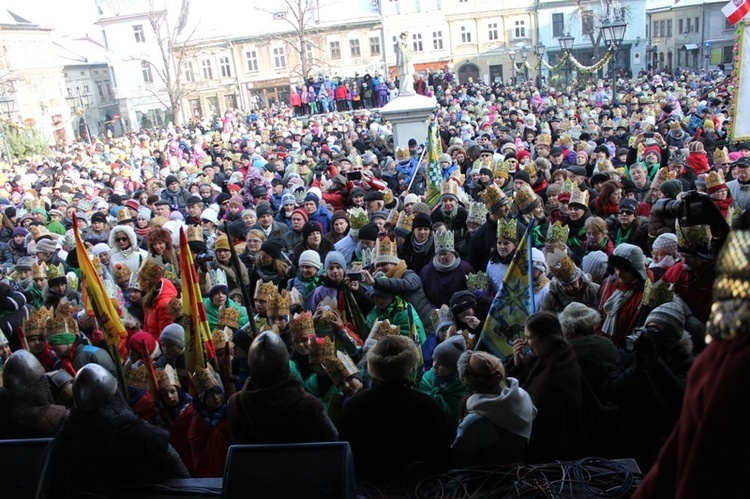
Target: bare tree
{"points": [[591, 20]]}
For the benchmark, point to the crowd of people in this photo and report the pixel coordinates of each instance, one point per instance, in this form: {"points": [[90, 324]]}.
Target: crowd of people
{"points": [[346, 303]]}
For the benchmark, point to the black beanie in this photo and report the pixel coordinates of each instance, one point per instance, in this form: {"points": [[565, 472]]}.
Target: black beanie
{"points": [[272, 248], [420, 220], [224, 196], [461, 302], [309, 228], [171, 179], [522, 175], [369, 232]]}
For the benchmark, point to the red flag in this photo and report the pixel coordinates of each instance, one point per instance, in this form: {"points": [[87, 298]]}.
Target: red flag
{"points": [[736, 10]]}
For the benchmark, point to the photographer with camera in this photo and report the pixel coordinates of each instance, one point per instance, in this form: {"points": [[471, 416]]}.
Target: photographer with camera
{"points": [[648, 382]]}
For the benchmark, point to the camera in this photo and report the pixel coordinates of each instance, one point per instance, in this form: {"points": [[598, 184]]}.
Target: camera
{"points": [[354, 275], [690, 210], [354, 176], [203, 259], [648, 135], [641, 336]]}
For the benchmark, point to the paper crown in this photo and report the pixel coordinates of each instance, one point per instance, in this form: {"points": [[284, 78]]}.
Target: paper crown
{"points": [[384, 328], [38, 270], [477, 213], [194, 233], [580, 197], [715, 181], [121, 273], [279, 304], [721, 155], [62, 321], [561, 266], [167, 377], [696, 238], [55, 271], [544, 139], [264, 290], [405, 221], [40, 231], [477, 282], [675, 125], [97, 264], [206, 378], [386, 251], [441, 318], [357, 218], [322, 349], [501, 170], [449, 189], [123, 215], [150, 272], [457, 176], [531, 170], [387, 197], [217, 277], [568, 185], [608, 123], [733, 268], [137, 377], [656, 293], [526, 199], [664, 174], [302, 325], [175, 309], [444, 241], [340, 368], [402, 153], [493, 197], [605, 166], [222, 336], [507, 229], [558, 233], [229, 317], [36, 324]]}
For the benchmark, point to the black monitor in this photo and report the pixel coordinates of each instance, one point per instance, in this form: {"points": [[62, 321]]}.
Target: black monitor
{"points": [[311, 470]]}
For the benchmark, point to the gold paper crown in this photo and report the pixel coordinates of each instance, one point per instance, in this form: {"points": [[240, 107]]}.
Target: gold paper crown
{"points": [[384, 328], [675, 125], [387, 197], [492, 196], [664, 174], [194, 233], [220, 337], [63, 321], [402, 153], [174, 308], [38, 271], [561, 266], [733, 277], [526, 199], [36, 324], [97, 264], [123, 215], [229, 317], [605, 166], [477, 282], [507, 229], [340, 368], [569, 186], [608, 123], [581, 146], [565, 140], [694, 238], [40, 231], [444, 240], [457, 176], [302, 325], [580, 197], [206, 378], [531, 170], [714, 179], [322, 349], [721, 155], [656, 293], [405, 221], [501, 170], [121, 273], [264, 290], [150, 271], [55, 271], [477, 212], [558, 233], [167, 377], [449, 189], [544, 139], [137, 378], [279, 304], [357, 218], [442, 316]]}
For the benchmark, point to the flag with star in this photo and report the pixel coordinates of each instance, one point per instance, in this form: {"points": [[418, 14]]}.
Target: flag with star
{"points": [[434, 173], [512, 305]]}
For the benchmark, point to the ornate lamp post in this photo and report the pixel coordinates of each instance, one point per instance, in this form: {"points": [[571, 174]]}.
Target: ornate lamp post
{"points": [[566, 44], [613, 33], [539, 49]]}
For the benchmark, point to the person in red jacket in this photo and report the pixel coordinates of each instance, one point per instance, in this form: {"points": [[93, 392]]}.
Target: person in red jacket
{"points": [[208, 432], [158, 293], [177, 411]]}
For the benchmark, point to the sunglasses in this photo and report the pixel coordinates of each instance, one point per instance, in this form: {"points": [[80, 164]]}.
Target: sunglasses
{"points": [[626, 212], [225, 203], [121, 239]]}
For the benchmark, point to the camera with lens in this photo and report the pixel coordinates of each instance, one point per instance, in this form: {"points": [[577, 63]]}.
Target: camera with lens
{"points": [[203, 259], [321, 166], [690, 210]]}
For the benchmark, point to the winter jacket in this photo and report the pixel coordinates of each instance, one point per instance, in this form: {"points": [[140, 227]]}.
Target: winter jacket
{"points": [[133, 257], [442, 285], [409, 287], [177, 200], [156, 317], [277, 230], [399, 313], [556, 299], [448, 393]]}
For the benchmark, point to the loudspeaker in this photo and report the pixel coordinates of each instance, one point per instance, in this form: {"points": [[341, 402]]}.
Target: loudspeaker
{"points": [[310, 470], [23, 462]]}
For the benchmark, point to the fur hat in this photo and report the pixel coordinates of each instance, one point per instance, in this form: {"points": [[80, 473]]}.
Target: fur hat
{"points": [[448, 352], [670, 315], [392, 358], [480, 371], [578, 320]]}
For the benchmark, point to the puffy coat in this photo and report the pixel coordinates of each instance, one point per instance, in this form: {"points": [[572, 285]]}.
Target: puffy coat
{"points": [[156, 317], [133, 257]]}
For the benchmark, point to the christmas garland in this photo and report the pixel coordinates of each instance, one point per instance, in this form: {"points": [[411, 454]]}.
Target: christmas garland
{"points": [[576, 64], [733, 87]]}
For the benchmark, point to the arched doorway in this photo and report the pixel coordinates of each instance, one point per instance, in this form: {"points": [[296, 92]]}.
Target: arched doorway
{"points": [[466, 71]]}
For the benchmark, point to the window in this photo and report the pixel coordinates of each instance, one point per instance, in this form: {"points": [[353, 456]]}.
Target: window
{"points": [[309, 53], [727, 54], [100, 89], [669, 28], [188, 72], [662, 26], [728, 25], [395, 43], [680, 30], [558, 25], [374, 45], [140, 37], [224, 67], [395, 7], [519, 30], [492, 32], [416, 42], [437, 4], [417, 5], [688, 28], [279, 58], [437, 40], [696, 25], [587, 22], [655, 30], [465, 35], [206, 70], [146, 70], [335, 50], [354, 48], [251, 56]]}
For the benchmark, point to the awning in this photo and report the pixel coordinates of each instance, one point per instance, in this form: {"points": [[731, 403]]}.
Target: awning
{"points": [[690, 46]]}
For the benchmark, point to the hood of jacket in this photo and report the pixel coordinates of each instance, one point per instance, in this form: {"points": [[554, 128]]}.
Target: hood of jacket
{"points": [[115, 248], [512, 409]]}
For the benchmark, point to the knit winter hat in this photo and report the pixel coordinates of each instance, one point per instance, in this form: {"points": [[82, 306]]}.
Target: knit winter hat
{"points": [[670, 315], [309, 228], [671, 188], [46, 246], [171, 179], [448, 352], [462, 301], [335, 257], [288, 198], [25, 263], [144, 213], [480, 371], [272, 248], [392, 358], [595, 264], [629, 257], [135, 342], [369, 232], [174, 334], [310, 258], [236, 200], [20, 231], [312, 197], [421, 220], [302, 212], [667, 243], [411, 198], [100, 248], [263, 209]]}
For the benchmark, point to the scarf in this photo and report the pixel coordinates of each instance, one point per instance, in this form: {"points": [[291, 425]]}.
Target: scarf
{"points": [[422, 247], [612, 307], [211, 418], [540, 282], [622, 236], [724, 205], [450, 215], [445, 268], [397, 271], [142, 233]]}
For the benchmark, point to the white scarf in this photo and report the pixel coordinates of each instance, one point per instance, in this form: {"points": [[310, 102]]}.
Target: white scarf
{"points": [[612, 307]]}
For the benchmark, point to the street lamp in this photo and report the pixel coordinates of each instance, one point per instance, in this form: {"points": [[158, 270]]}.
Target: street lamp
{"points": [[512, 55], [79, 105], [539, 49], [7, 107], [566, 44], [613, 33]]}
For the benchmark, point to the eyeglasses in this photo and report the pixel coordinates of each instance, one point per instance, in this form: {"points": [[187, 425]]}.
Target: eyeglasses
{"points": [[626, 212], [253, 241], [224, 203], [485, 155], [121, 239]]}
